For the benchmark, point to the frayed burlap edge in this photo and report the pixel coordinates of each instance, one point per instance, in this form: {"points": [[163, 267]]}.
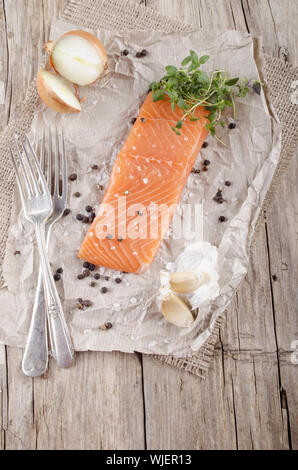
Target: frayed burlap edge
{"points": [[125, 15]]}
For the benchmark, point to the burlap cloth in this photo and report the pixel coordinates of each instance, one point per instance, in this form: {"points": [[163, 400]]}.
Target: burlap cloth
{"points": [[123, 15]]}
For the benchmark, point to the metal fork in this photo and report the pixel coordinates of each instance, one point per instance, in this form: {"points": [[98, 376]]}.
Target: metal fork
{"points": [[38, 207]]}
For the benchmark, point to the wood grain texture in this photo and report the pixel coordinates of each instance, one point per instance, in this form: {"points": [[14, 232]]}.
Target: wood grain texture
{"points": [[118, 401]]}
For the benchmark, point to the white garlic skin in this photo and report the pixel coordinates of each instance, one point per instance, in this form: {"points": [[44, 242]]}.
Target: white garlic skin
{"points": [[201, 258]]}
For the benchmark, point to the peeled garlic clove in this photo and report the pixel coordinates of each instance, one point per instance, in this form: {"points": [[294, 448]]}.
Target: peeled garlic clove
{"points": [[185, 282], [57, 92], [176, 311]]}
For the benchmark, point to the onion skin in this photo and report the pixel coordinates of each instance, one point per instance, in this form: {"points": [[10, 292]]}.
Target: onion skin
{"points": [[50, 98], [98, 45]]}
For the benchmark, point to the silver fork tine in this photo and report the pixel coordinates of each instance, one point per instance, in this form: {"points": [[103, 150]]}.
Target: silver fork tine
{"points": [[18, 179], [40, 174], [25, 173], [42, 153], [49, 172], [63, 168], [31, 171], [56, 163]]}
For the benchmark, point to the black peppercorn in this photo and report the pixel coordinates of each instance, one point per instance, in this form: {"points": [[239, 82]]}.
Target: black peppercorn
{"points": [[118, 280], [80, 276], [133, 120], [232, 125], [86, 273], [206, 162], [96, 276], [143, 52], [17, 253], [79, 217], [125, 52], [91, 267], [66, 212], [108, 325], [139, 55], [104, 290], [93, 284], [222, 218], [142, 119], [73, 177], [86, 264], [57, 277], [107, 278], [205, 145], [85, 220], [228, 183], [94, 167], [87, 303], [77, 194], [88, 209], [59, 271]]}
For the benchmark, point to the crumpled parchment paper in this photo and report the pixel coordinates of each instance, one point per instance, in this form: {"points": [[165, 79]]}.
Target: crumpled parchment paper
{"points": [[94, 137]]}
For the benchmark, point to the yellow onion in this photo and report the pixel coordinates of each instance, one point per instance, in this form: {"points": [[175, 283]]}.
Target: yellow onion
{"points": [[57, 92], [78, 56]]}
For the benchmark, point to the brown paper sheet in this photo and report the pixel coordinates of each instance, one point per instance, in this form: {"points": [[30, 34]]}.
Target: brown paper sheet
{"points": [[95, 136]]}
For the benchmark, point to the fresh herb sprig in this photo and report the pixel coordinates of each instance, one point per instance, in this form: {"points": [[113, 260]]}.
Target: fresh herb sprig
{"points": [[189, 87]]}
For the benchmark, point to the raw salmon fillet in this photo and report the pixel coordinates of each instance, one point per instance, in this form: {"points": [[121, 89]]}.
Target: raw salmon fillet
{"points": [[150, 172]]}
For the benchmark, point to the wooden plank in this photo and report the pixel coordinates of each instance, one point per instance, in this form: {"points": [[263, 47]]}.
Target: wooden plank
{"points": [[183, 412], [3, 396], [5, 84], [21, 432], [97, 404]]}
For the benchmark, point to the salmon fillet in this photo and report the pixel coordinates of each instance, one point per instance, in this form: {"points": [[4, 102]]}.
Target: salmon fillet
{"points": [[145, 187]]}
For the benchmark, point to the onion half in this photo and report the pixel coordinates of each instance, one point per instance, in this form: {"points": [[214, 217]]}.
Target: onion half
{"points": [[57, 92], [78, 56]]}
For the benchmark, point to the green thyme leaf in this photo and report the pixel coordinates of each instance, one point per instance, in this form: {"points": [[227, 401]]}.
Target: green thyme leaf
{"points": [[158, 95], [171, 70], [186, 61], [232, 81], [204, 59]]}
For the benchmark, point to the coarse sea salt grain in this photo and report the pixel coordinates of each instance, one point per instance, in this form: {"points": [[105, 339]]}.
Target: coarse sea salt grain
{"points": [[145, 180], [133, 300]]}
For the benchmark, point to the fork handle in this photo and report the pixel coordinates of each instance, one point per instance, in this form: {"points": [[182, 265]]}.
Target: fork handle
{"points": [[35, 358], [58, 330]]}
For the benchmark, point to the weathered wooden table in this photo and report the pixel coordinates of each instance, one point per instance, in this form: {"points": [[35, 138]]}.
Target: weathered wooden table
{"points": [[120, 401]]}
